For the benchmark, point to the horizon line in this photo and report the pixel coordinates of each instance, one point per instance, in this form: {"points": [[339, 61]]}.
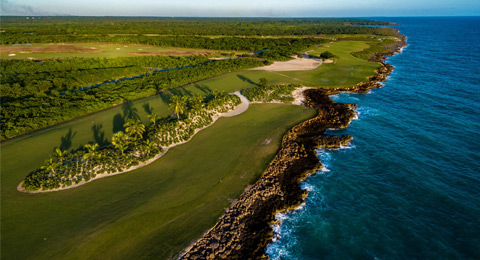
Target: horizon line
{"points": [[264, 17]]}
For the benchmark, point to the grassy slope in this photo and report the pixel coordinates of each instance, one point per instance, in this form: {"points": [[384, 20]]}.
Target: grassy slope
{"points": [[154, 211]]}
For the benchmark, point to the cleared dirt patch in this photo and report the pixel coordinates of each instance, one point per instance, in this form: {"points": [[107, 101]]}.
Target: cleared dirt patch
{"points": [[50, 49], [292, 65]]}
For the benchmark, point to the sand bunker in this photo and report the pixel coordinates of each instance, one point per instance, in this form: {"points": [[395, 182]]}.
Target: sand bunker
{"points": [[292, 65]]}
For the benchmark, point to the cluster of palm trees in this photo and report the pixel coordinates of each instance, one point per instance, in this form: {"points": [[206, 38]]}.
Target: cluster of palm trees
{"points": [[137, 143]]}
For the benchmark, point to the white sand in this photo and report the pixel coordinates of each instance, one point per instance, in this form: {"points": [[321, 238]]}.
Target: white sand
{"points": [[236, 111], [240, 108], [296, 64], [298, 95]]}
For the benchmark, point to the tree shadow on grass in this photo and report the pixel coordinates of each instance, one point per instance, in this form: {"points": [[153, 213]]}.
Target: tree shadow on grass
{"points": [[177, 92], [164, 96], [204, 88], [245, 79], [66, 140], [118, 122], [99, 135], [130, 111], [185, 91], [148, 109]]}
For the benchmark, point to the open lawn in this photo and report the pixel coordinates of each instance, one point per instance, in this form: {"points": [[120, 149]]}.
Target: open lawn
{"points": [[153, 212], [96, 50]]}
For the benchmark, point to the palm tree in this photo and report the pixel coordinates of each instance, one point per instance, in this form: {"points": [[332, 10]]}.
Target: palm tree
{"points": [[153, 118], [215, 94], [178, 104], [148, 145], [60, 154], [120, 141], [196, 102], [50, 165], [134, 128], [91, 148]]}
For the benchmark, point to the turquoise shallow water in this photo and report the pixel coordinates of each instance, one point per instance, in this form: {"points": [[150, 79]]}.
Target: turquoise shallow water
{"points": [[408, 186]]}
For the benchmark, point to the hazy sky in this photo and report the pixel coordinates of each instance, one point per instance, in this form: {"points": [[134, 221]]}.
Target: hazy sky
{"points": [[226, 8]]}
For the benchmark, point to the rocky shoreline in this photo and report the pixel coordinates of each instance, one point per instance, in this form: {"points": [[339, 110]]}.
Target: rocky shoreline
{"points": [[244, 231]]}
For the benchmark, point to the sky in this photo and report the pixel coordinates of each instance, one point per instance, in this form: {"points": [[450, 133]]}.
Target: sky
{"points": [[243, 8]]}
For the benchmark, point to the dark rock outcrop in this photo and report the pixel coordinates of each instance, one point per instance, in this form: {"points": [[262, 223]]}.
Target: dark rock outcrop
{"points": [[245, 229]]}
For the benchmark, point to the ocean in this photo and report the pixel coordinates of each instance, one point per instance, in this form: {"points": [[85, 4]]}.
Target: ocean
{"points": [[408, 186]]}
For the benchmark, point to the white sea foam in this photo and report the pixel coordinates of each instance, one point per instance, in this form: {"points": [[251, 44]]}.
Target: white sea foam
{"points": [[357, 113], [284, 239], [324, 156], [348, 146], [280, 216], [307, 186], [335, 97], [403, 48], [280, 250], [363, 111]]}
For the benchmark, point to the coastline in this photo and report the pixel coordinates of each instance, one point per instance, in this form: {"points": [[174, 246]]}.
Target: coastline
{"points": [[245, 229]]}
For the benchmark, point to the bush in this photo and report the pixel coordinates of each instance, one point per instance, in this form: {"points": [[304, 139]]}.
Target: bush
{"points": [[327, 55]]}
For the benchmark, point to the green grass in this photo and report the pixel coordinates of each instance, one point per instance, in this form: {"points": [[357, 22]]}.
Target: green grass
{"points": [[110, 50], [153, 212], [346, 71]]}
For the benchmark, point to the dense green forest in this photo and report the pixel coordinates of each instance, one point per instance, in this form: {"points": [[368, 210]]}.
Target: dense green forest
{"points": [[88, 26], [26, 78]]}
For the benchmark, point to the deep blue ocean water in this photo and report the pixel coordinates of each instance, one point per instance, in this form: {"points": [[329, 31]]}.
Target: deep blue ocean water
{"points": [[408, 186]]}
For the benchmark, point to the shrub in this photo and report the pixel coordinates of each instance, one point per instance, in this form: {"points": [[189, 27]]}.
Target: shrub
{"points": [[327, 55]]}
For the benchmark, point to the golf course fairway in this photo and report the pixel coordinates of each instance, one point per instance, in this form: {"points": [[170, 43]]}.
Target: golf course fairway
{"points": [[152, 212]]}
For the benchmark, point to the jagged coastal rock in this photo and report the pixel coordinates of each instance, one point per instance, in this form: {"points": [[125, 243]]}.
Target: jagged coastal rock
{"points": [[244, 231]]}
